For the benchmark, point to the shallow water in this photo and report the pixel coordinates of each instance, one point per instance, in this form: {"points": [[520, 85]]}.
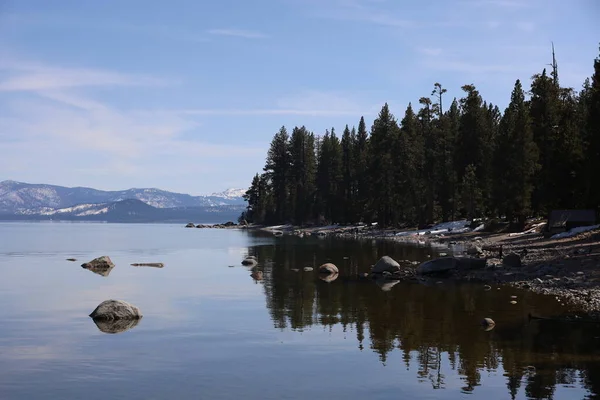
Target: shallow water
{"points": [[213, 331]]}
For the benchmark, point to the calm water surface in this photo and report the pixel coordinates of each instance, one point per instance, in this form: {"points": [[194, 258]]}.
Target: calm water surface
{"points": [[219, 332]]}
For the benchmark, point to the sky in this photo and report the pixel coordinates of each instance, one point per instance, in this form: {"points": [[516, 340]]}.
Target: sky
{"points": [[187, 95]]}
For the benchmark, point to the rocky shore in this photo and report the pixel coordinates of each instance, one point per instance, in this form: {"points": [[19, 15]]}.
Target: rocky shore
{"points": [[567, 267]]}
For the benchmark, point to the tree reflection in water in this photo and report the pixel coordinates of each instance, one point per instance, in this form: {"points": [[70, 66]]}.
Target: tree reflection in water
{"points": [[437, 327]]}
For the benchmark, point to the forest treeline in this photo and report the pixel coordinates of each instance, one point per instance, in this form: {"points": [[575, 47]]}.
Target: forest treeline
{"points": [[465, 160]]}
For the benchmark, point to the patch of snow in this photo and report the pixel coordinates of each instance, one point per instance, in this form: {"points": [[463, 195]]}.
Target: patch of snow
{"points": [[574, 232], [452, 226], [230, 193]]}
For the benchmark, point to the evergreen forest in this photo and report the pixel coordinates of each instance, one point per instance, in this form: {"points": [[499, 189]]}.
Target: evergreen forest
{"points": [[443, 160]]}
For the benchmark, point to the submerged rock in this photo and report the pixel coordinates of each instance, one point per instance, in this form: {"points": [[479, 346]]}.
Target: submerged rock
{"points": [[101, 265], [328, 268], [436, 265], [71, 259], [386, 264], [308, 269], [115, 310]]}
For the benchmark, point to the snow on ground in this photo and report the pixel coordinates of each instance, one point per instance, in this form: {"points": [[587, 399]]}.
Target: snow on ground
{"points": [[444, 227], [574, 232]]}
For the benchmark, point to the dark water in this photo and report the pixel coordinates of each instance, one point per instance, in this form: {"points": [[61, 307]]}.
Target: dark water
{"points": [[210, 331]]}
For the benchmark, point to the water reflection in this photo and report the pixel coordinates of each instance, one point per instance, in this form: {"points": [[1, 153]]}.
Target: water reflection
{"points": [[116, 326], [437, 328]]}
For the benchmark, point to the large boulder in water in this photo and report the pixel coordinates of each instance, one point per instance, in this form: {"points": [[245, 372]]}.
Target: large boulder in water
{"points": [[328, 269], [115, 310], [386, 264], [437, 265], [101, 265]]}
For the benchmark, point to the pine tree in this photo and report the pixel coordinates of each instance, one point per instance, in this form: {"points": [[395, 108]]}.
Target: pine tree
{"points": [[348, 172], [277, 169], [384, 134], [302, 174], [544, 110], [520, 154], [473, 145], [361, 154], [430, 158], [593, 139], [410, 192], [329, 178]]}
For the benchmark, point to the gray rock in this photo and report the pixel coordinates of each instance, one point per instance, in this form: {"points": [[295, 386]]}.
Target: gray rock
{"points": [[101, 265], [328, 268], [441, 264], [115, 310], [512, 260], [190, 225], [474, 250], [386, 264]]}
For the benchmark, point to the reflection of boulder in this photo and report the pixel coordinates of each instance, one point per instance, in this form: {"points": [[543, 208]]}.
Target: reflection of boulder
{"points": [[117, 325], [101, 265], [110, 310], [257, 275], [386, 285], [249, 261], [326, 277], [328, 268], [154, 265]]}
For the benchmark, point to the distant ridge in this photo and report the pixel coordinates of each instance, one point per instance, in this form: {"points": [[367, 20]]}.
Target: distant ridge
{"points": [[18, 196]]}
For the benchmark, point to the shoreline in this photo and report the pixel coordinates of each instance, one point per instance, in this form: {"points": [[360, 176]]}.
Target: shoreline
{"points": [[566, 267]]}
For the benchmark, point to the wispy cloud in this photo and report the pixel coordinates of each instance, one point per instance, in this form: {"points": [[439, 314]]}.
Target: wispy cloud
{"points": [[526, 26], [246, 34], [499, 3], [28, 76], [430, 51]]}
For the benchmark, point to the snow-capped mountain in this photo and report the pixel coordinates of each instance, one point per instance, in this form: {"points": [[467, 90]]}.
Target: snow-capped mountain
{"points": [[19, 197], [130, 210], [230, 194]]}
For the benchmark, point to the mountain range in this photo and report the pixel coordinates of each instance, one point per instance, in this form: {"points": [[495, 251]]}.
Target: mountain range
{"points": [[20, 200]]}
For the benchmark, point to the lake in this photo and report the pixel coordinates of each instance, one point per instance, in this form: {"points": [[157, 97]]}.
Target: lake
{"points": [[215, 329]]}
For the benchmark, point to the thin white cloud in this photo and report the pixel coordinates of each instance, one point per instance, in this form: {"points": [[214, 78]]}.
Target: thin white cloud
{"points": [[238, 33], [430, 51], [526, 26], [32, 77], [510, 4]]}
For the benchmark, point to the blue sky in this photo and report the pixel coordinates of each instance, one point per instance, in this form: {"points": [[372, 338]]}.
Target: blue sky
{"points": [[186, 95]]}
